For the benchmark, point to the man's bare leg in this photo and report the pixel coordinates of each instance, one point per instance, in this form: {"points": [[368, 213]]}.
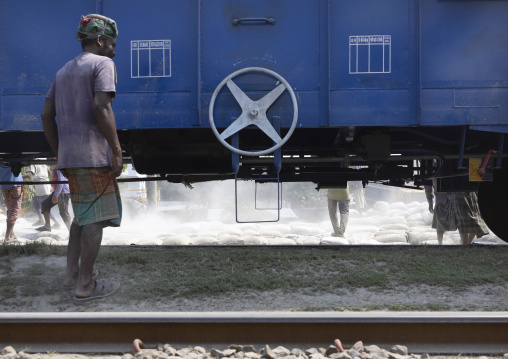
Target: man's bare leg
{"points": [[471, 237], [47, 220], [73, 254], [9, 232], [467, 238], [440, 236], [332, 212], [91, 238]]}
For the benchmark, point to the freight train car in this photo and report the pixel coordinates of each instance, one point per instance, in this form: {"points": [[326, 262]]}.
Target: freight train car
{"points": [[283, 90]]}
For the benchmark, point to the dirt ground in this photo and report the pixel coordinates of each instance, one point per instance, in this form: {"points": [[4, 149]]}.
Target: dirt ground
{"points": [[55, 299]]}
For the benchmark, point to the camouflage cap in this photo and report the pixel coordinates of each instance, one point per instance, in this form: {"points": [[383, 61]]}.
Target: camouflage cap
{"points": [[92, 26]]}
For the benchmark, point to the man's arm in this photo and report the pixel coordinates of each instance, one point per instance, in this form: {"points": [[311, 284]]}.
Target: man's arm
{"points": [[106, 120], [430, 197], [49, 124]]}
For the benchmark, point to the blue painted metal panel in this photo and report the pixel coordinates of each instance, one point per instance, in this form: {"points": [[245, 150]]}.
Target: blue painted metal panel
{"points": [[32, 52], [351, 63], [289, 47], [293, 39], [153, 48], [464, 72], [153, 57], [370, 51]]}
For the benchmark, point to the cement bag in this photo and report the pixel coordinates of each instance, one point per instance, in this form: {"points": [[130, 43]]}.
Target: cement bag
{"points": [[398, 205], [381, 206], [420, 237], [254, 240], [433, 242], [365, 242], [282, 228], [416, 224], [395, 212], [250, 232], [371, 212], [413, 210], [334, 241], [356, 221], [391, 220], [393, 227], [178, 240], [361, 229], [393, 231], [427, 218], [414, 204], [391, 237], [231, 230], [361, 235], [415, 217], [269, 233], [244, 226], [307, 241], [307, 230], [449, 241], [353, 213], [207, 234], [204, 241], [489, 239], [281, 242], [422, 229], [230, 240]]}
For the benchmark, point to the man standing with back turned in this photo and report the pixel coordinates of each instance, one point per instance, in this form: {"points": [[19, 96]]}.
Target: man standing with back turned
{"points": [[84, 138]]}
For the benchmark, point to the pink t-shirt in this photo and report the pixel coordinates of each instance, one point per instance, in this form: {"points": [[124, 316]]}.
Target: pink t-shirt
{"points": [[81, 142]]}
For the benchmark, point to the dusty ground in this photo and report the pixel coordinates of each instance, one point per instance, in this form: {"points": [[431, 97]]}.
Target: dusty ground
{"points": [[55, 299]]}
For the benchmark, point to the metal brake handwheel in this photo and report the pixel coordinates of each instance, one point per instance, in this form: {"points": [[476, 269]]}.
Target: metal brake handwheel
{"points": [[254, 112]]}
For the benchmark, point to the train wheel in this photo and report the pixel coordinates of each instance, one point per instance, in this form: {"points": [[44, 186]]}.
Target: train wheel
{"points": [[492, 200], [253, 112]]}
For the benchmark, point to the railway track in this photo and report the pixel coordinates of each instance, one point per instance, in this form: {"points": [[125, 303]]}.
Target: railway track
{"points": [[421, 332]]}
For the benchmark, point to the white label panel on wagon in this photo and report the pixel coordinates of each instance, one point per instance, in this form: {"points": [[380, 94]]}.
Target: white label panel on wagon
{"points": [[370, 54], [150, 58]]}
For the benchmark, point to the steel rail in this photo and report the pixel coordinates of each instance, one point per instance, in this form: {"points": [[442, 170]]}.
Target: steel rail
{"points": [[433, 332]]}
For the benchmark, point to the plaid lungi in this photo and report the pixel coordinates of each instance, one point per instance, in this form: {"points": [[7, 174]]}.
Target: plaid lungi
{"points": [[468, 214], [95, 196], [13, 197], [444, 215]]}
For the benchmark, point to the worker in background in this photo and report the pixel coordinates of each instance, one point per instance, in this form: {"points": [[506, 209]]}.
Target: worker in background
{"points": [[469, 220], [13, 197], [86, 144], [338, 198], [444, 216], [356, 189], [60, 196], [40, 173]]}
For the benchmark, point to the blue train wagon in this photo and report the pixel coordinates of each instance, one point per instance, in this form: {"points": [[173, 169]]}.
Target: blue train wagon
{"points": [[294, 90]]}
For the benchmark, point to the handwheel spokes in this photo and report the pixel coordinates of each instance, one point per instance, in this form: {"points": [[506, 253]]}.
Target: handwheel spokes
{"points": [[238, 124], [240, 96], [260, 106], [271, 97], [265, 126], [253, 112]]}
